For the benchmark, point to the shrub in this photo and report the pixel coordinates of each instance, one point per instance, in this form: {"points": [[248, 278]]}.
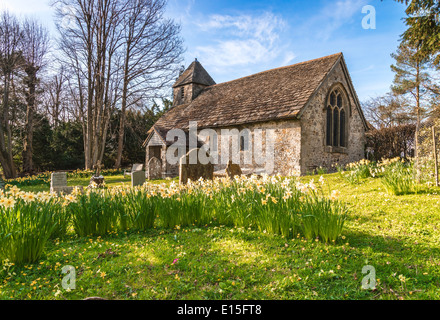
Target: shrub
{"points": [[391, 142]]}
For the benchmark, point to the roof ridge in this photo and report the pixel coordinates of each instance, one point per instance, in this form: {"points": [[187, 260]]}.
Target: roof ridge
{"points": [[279, 68]]}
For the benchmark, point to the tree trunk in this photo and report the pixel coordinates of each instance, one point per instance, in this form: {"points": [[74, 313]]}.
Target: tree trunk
{"points": [[417, 162], [90, 91], [31, 83], [122, 124], [6, 159]]}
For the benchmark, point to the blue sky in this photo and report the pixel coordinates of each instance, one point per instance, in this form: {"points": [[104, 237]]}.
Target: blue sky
{"points": [[233, 39]]}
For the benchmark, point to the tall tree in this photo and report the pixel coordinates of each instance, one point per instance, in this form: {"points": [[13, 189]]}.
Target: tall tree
{"points": [[90, 42], [412, 79], [423, 23], [152, 50], [10, 62], [34, 48]]}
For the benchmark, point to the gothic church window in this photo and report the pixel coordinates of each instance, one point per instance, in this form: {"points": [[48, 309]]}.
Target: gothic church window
{"points": [[336, 122]]}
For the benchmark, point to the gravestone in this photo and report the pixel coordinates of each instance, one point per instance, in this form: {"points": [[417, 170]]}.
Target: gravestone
{"points": [[233, 170], [137, 167], [134, 168], [154, 169], [194, 171], [137, 178], [58, 183]]}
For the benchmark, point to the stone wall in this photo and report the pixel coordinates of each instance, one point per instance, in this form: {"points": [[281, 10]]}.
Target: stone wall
{"points": [[168, 170], [315, 153], [191, 91], [287, 147]]}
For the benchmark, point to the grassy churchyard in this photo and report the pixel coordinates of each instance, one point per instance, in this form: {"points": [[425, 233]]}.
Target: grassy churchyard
{"points": [[225, 253]]}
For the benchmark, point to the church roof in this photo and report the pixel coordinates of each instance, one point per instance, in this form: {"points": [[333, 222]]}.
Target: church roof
{"points": [[194, 74], [276, 94]]}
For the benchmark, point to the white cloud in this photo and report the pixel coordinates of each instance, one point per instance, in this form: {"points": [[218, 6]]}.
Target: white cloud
{"points": [[334, 16], [244, 40], [236, 52], [264, 28], [288, 58]]}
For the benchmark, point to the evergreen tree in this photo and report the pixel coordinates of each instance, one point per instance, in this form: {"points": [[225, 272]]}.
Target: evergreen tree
{"points": [[412, 80], [423, 23]]}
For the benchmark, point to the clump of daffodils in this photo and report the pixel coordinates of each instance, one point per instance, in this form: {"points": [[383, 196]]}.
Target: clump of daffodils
{"points": [[355, 165], [242, 184]]}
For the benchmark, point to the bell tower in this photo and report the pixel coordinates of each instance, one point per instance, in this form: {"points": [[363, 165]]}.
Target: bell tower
{"points": [[190, 83]]}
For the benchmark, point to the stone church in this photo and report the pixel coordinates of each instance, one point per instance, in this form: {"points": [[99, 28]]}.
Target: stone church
{"points": [[312, 108]]}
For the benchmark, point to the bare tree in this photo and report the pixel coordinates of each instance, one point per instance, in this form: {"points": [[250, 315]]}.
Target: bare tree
{"points": [[389, 110], [151, 52], [118, 51], [90, 42], [56, 97], [10, 60], [34, 48]]}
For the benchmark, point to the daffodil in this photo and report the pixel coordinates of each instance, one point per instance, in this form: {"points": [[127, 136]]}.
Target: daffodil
{"points": [[9, 203]]}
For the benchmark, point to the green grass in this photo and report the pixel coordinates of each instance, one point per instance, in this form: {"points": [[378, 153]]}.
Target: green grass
{"points": [[109, 181], [398, 235]]}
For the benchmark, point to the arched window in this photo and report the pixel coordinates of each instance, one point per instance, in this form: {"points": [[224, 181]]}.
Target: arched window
{"points": [[336, 121]]}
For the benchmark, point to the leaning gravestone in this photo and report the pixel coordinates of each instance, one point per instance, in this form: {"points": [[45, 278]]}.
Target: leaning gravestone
{"points": [[233, 170], [58, 183], [137, 178], [194, 170], [154, 169]]}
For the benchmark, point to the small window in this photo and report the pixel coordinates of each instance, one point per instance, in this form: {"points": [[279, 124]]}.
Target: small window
{"points": [[182, 93], [213, 143], [244, 141]]}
